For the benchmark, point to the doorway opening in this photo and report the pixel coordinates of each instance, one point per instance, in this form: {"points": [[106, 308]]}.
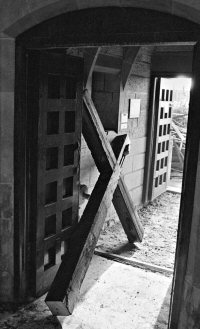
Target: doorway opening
{"points": [[180, 108], [57, 40], [160, 217]]}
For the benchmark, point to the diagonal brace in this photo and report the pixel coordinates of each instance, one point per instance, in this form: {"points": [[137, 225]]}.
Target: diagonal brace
{"points": [[105, 157], [64, 291]]}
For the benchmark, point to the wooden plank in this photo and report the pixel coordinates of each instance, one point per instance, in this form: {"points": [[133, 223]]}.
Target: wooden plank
{"points": [[103, 155], [108, 64], [130, 55], [135, 263], [71, 273], [95, 136], [90, 58], [127, 213]]}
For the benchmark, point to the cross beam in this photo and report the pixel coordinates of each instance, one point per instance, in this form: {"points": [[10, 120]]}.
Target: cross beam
{"points": [[104, 155], [64, 291], [65, 288]]}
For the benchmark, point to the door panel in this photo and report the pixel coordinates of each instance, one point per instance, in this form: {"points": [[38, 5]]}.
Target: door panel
{"points": [[59, 137], [162, 140]]}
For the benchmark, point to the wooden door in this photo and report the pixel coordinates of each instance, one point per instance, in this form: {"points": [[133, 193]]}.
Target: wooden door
{"points": [[59, 138], [162, 136]]}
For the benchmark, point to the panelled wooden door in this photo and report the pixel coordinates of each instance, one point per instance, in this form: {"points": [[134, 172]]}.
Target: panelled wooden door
{"points": [[162, 138], [59, 138]]}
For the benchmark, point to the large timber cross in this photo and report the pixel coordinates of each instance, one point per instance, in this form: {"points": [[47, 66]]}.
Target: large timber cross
{"points": [[64, 291]]}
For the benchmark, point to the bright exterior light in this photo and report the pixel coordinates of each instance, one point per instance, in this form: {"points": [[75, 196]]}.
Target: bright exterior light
{"points": [[181, 83]]}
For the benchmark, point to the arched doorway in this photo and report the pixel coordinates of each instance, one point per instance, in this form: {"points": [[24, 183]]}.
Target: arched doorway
{"points": [[71, 29]]}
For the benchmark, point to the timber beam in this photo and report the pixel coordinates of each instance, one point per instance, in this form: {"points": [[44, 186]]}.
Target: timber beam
{"points": [[129, 57], [90, 57], [104, 155], [64, 291]]}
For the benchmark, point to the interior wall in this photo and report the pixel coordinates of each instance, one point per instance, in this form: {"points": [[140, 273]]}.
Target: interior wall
{"points": [[105, 95], [179, 62], [138, 87]]}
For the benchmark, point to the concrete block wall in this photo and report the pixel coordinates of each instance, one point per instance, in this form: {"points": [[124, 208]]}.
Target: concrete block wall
{"points": [[105, 95], [133, 168], [138, 86]]}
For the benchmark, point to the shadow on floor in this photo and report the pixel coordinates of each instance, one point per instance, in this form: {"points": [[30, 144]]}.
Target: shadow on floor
{"points": [[94, 273], [30, 321], [124, 248], [37, 315], [162, 319]]}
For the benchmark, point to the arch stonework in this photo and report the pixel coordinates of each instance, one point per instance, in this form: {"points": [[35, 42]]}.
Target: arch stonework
{"points": [[18, 16], [15, 18]]}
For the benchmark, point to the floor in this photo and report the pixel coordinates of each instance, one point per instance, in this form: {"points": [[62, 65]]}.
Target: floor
{"points": [[175, 183], [160, 222], [113, 296]]}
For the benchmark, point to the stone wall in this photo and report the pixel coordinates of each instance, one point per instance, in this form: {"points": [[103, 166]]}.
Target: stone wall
{"points": [[7, 51]]}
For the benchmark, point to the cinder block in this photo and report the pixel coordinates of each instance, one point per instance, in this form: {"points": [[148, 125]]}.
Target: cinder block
{"points": [[98, 81], [127, 165], [134, 179], [138, 161], [112, 83], [138, 145], [136, 195]]}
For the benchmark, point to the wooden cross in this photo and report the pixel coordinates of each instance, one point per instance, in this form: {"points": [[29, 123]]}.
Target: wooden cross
{"points": [[64, 291]]}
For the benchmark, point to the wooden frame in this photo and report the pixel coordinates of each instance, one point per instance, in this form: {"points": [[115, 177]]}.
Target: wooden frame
{"points": [[150, 159], [25, 160], [151, 139], [152, 36]]}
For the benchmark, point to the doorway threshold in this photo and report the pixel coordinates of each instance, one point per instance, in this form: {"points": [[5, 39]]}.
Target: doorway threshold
{"points": [[135, 263]]}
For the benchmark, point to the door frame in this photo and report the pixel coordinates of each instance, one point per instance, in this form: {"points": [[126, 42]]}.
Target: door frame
{"points": [[25, 164], [21, 245]]}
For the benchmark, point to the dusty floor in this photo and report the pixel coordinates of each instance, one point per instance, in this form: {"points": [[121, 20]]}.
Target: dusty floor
{"points": [[113, 296], [160, 222]]}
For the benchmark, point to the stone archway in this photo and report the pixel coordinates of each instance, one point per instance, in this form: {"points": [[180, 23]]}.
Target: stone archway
{"points": [[16, 19]]}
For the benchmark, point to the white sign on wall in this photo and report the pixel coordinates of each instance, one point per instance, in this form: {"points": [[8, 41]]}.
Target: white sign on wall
{"points": [[134, 109], [124, 121]]}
